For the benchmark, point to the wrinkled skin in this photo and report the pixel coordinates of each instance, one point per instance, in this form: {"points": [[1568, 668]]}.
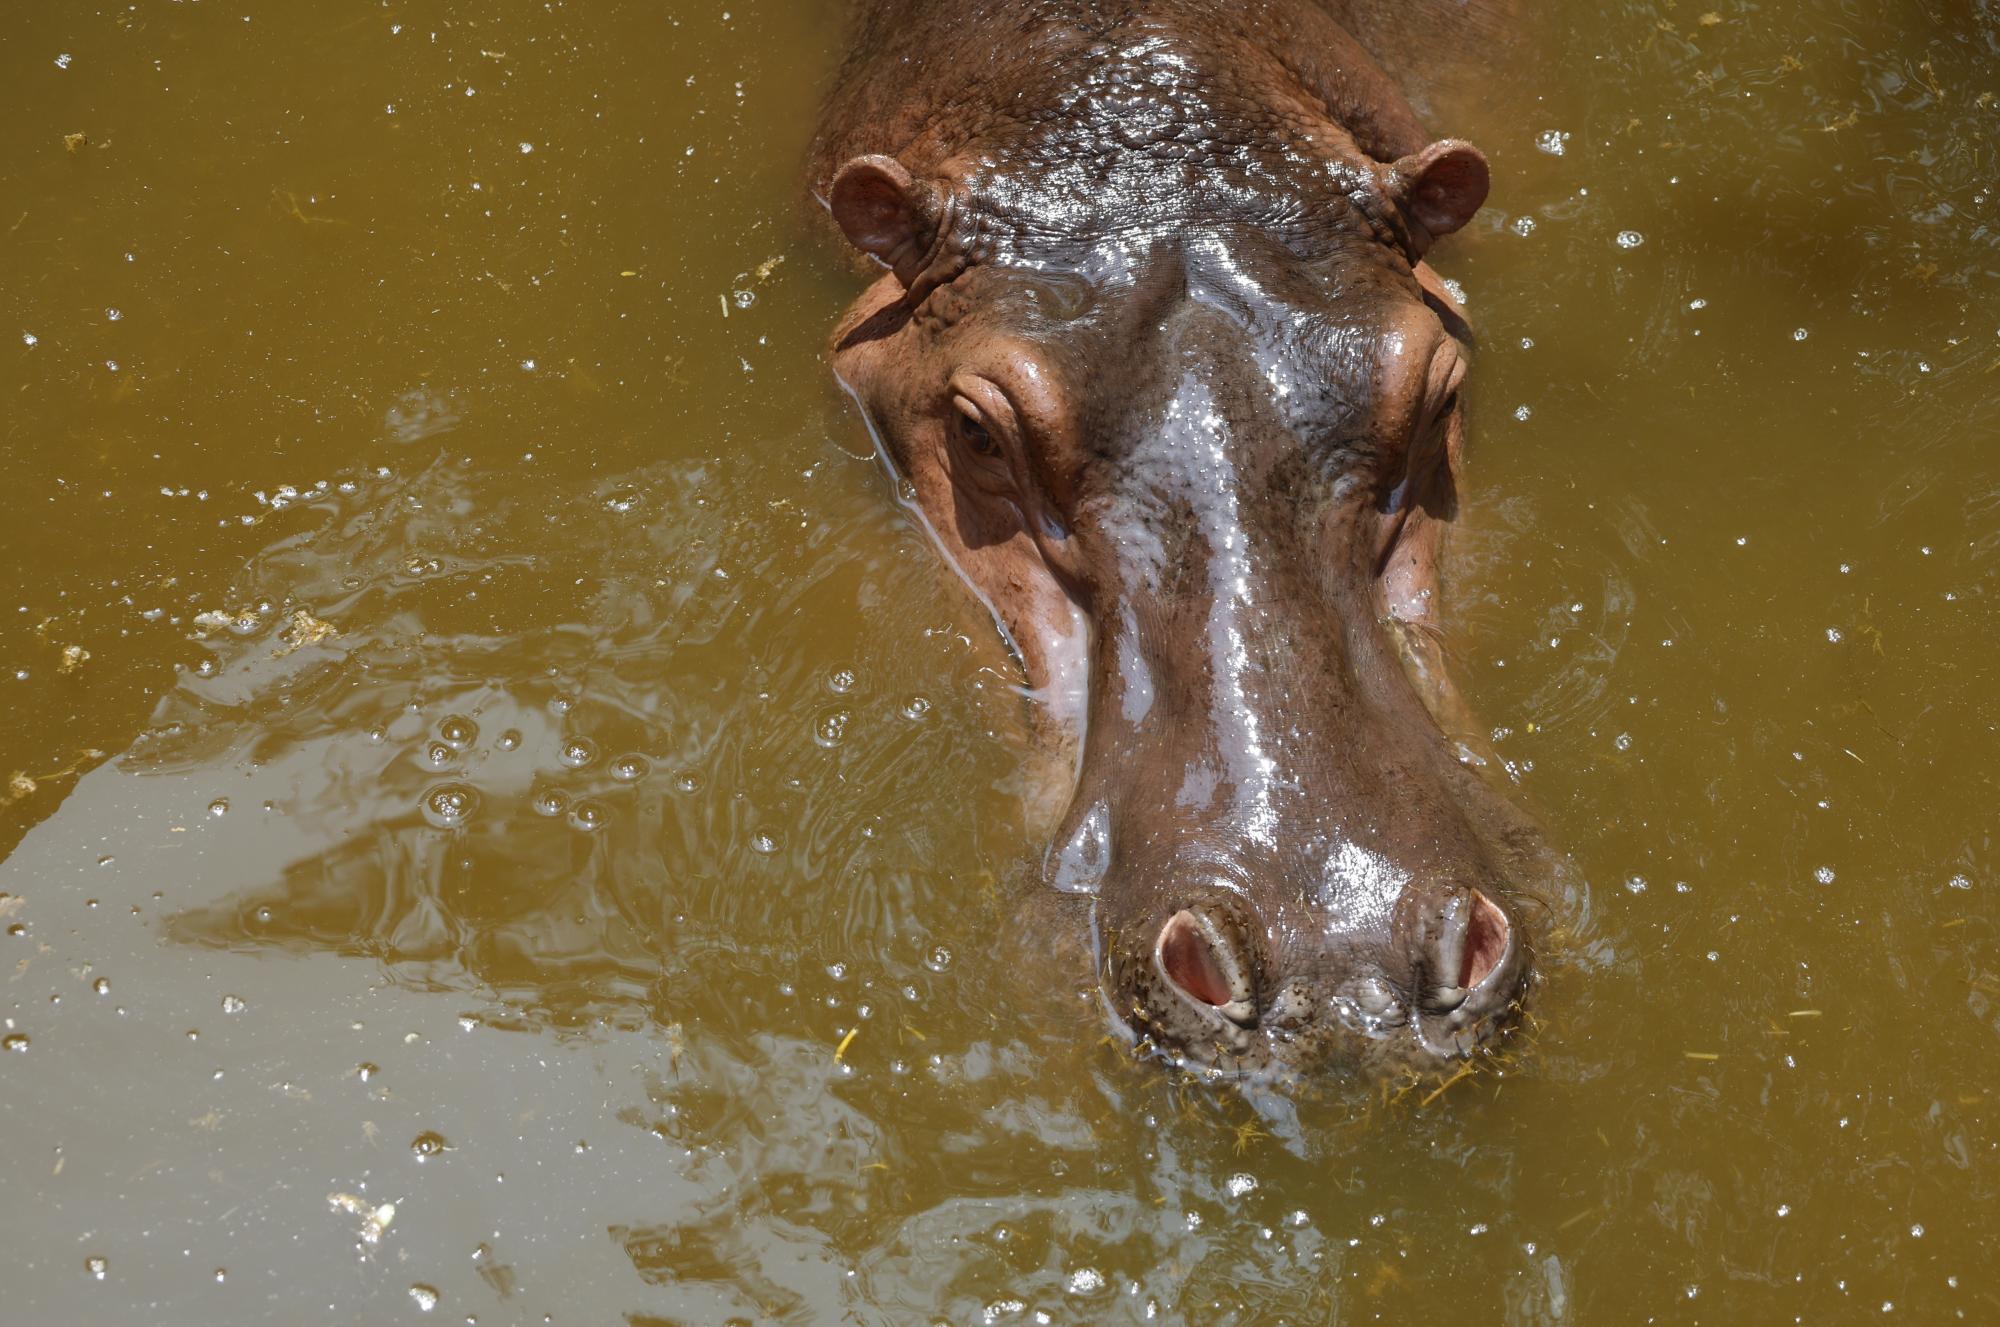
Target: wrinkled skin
{"points": [[1158, 355]]}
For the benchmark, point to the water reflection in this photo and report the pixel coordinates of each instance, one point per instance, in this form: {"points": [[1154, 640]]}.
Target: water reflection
{"points": [[440, 737]]}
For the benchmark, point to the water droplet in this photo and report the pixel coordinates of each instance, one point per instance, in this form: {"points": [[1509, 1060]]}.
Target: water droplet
{"points": [[1628, 239], [550, 801], [916, 707], [830, 728], [102, 986], [426, 1297], [458, 732], [588, 815], [509, 739], [14, 1041], [219, 807], [687, 781], [233, 1004], [428, 1144], [96, 1266], [765, 842], [449, 805], [577, 752], [631, 769]]}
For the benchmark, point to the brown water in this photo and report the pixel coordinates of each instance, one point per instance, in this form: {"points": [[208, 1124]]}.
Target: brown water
{"points": [[492, 747]]}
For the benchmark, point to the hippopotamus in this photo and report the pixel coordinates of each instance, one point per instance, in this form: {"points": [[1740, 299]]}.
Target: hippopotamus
{"points": [[1156, 353]]}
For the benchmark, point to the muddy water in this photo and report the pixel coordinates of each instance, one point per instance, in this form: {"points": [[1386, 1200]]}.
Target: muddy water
{"points": [[511, 825]]}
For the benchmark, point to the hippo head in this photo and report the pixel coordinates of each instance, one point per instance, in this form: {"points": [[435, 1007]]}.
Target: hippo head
{"points": [[1192, 435]]}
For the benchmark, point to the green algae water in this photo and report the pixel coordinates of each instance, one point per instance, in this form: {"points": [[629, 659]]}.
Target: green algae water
{"points": [[507, 823]]}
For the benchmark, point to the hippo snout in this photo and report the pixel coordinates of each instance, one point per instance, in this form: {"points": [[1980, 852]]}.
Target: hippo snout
{"points": [[1237, 991]]}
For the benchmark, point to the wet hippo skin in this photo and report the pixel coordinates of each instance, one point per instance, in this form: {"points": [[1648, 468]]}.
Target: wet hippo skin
{"points": [[1173, 389]]}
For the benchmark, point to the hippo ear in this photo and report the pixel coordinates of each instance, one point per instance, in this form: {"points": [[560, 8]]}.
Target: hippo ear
{"points": [[1438, 189], [887, 214]]}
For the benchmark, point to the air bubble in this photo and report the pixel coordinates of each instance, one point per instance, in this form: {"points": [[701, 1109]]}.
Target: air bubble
{"points": [[233, 1004], [765, 842], [458, 732], [938, 959], [1628, 239], [102, 986], [96, 1266], [219, 807], [428, 1144], [687, 781], [1522, 225], [830, 728], [630, 769], [509, 739], [577, 752], [1551, 141], [426, 1297], [622, 500], [366, 1070], [550, 801], [14, 1041], [588, 815], [1823, 874], [449, 805], [916, 707], [840, 681]]}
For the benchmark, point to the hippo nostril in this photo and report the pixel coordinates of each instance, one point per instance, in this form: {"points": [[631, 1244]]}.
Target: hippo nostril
{"points": [[1202, 963], [1486, 935]]}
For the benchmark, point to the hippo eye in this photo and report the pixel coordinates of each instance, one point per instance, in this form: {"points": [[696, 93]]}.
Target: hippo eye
{"points": [[976, 436]]}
